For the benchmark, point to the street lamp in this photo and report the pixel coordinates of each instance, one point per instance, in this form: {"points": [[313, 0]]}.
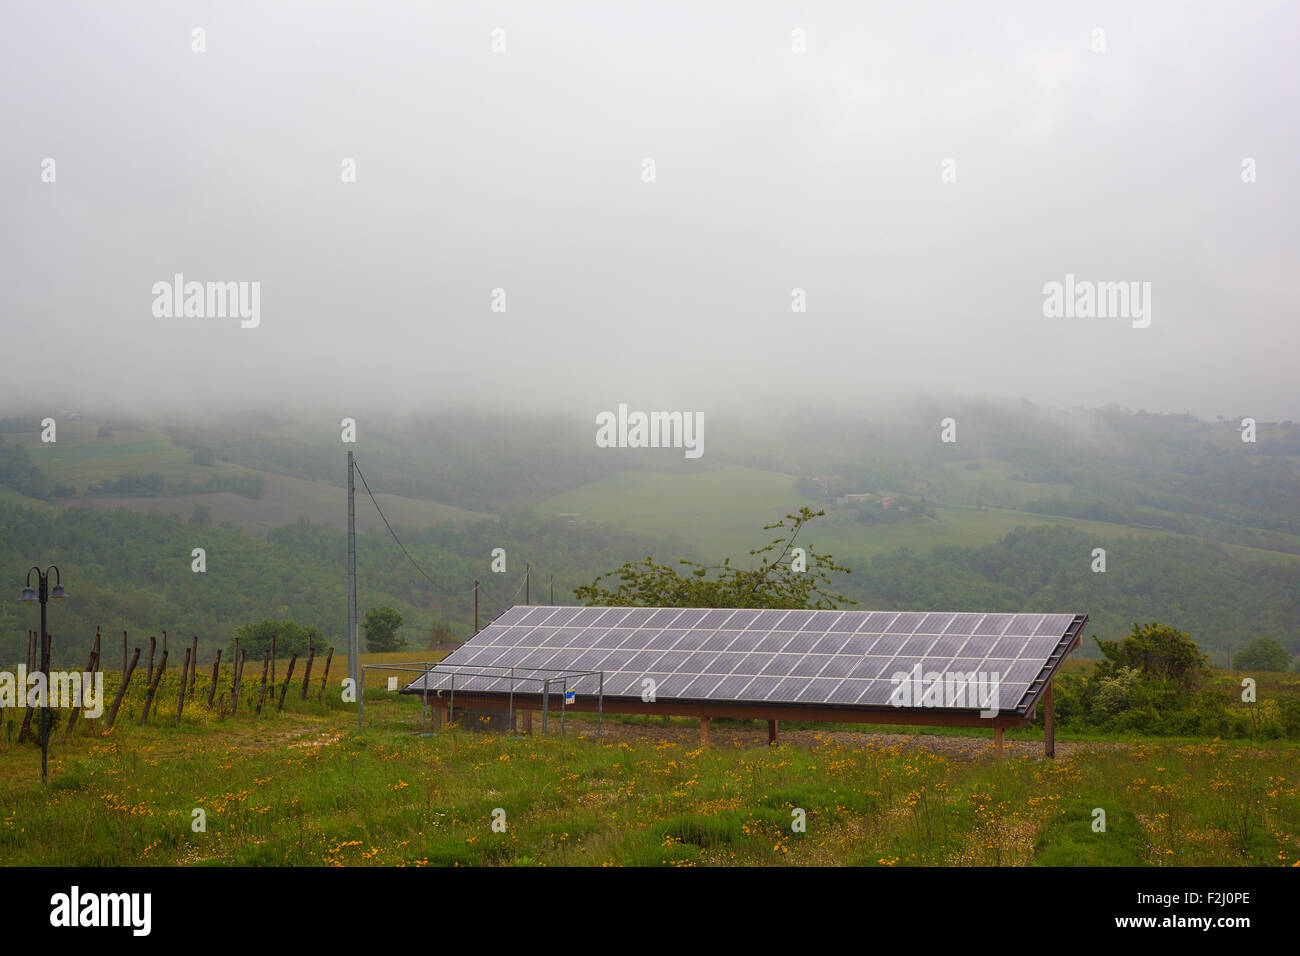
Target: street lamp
{"points": [[45, 595]]}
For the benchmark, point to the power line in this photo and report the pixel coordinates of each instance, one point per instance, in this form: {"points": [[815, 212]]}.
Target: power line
{"points": [[417, 567], [390, 527]]}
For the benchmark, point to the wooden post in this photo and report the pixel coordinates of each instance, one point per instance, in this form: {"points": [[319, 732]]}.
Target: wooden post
{"points": [[266, 662], [180, 698], [164, 642], [1049, 723], [234, 666], [528, 721], [444, 717], [121, 690], [704, 731], [148, 675], [90, 669], [306, 674], [273, 637], [194, 661], [216, 672], [44, 666], [185, 671], [287, 677], [771, 733], [153, 688], [237, 686], [329, 656], [997, 739]]}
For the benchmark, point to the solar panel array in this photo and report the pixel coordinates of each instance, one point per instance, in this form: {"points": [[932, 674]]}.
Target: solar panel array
{"points": [[824, 658]]}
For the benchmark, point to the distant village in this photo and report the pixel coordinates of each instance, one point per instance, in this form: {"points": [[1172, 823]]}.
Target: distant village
{"points": [[872, 507]]}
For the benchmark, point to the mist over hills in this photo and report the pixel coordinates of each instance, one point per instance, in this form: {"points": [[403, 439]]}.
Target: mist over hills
{"points": [[1200, 529]]}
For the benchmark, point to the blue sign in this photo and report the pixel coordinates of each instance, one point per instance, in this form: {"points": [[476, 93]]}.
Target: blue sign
{"points": [[570, 696]]}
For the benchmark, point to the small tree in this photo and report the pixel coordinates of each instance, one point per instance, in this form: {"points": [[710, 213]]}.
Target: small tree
{"points": [[440, 634], [380, 626], [1264, 654], [290, 638], [1158, 651], [777, 582]]}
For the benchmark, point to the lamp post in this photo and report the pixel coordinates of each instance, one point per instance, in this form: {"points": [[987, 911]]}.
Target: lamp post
{"points": [[44, 595]]}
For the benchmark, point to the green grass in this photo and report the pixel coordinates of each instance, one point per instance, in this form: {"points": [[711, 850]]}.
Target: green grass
{"points": [[80, 458], [304, 788], [718, 512], [721, 513]]}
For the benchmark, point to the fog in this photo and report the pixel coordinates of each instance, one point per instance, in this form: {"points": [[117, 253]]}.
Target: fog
{"points": [[920, 171]]}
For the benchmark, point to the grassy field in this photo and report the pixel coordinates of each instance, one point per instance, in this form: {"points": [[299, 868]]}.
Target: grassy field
{"points": [[79, 458], [284, 500], [303, 787], [721, 513]]}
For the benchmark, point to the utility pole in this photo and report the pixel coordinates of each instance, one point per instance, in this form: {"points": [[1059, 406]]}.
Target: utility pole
{"points": [[353, 670], [475, 606], [527, 584]]}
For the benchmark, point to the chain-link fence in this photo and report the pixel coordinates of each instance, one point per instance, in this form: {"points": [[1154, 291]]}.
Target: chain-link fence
{"points": [[422, 697]]}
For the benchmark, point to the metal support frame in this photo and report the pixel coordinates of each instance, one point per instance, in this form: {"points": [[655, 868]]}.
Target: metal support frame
{"points": [[1049, 722], [546, 703], [508, 698], [424, 702]]}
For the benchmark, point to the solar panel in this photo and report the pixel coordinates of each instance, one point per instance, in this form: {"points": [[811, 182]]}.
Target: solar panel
{"points": [[844, 659]]}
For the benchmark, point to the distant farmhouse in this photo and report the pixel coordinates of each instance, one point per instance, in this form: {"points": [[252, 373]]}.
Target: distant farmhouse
{"points": [[855, 498]]}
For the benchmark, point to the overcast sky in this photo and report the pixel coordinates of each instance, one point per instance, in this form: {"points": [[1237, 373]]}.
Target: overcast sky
{"points": [[524, 170]]}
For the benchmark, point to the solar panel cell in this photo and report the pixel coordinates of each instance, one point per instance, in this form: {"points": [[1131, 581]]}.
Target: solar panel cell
{"points": [[1054, 625], [839, 666], [779, 665], [822, 621], [789, 689], [818, 691], [869, 667], [905, 623], [1023, 625], [1008, 647], [917, 645], [830, 644], [699, 687], [746, 641], [800, 644], [741, 620], [720, 641], [993, 624], [772, 642], [934, 623], [809, 665], [663, 617], [848, 692]]}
